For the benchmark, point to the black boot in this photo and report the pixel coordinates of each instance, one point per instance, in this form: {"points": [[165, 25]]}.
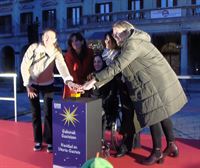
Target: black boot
{"points": [[171, 150], [122, 151], [155, 157], [126, 145]]}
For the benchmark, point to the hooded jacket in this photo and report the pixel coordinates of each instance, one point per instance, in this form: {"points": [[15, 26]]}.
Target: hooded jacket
{"points": [[153, 86]]}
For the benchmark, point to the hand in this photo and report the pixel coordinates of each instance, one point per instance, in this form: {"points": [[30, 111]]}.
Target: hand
{"points": [[31, 92], [75, 87], [89, 85], [90, 76]]}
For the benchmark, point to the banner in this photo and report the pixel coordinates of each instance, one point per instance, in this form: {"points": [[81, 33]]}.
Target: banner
{"points": [[69, 134], [166, 13]]}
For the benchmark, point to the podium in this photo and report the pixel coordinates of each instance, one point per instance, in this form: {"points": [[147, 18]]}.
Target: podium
{"points": [[77, 130]]}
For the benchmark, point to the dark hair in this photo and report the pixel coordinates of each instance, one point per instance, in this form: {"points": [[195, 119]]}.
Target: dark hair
{"points": [[104, 63], [114, 43], [84, 48]]}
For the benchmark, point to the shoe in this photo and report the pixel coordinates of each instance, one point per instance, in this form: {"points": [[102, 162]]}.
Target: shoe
{"points": [[155, 157], [37, 147], [171, 150], [49, 148], [122, 151]]}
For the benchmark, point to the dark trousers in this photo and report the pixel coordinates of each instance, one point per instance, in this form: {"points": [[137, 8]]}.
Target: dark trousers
{"points": [[156, 132], [47, 93], [127, 129]]}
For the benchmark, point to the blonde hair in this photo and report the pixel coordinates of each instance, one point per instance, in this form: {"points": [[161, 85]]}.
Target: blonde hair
{"points": [[123, 24], [56, 45]]}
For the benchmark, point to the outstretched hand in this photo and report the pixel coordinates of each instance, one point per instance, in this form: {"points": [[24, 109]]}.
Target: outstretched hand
{"points": [[75, 87], [89, 85], [90, 76]]}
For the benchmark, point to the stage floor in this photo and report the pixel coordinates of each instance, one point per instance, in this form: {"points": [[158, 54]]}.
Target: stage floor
{"points": [[16, 151]]}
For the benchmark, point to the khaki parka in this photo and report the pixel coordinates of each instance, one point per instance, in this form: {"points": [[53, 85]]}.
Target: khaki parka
{"points": [[153, 86]]}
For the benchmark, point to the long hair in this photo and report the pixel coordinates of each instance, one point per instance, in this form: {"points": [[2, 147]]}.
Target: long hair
{"points": [[104, 63], [84, 48]]}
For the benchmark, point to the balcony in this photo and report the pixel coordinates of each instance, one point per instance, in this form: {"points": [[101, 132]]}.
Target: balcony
{"points": [[141, 17], [6, 29], [25, 1], [6, 2]]}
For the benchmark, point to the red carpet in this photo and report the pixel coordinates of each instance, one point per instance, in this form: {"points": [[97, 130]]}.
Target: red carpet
{"points": [[16, 147], [16, 143], [189, 155]]}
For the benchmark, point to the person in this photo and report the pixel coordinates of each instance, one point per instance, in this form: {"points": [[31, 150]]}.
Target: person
{"points": [[119, 96], [79, 60], [37, 72], [104, 93], [111, 100], [153, 86], [111, 51]]}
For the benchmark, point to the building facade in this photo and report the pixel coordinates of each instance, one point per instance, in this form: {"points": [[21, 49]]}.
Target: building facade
{"points": [[174, 26]]}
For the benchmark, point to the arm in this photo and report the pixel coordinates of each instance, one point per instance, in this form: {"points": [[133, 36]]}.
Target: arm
{"points": [[64, 72], [130, 51], [26, 64], [62, 68]]}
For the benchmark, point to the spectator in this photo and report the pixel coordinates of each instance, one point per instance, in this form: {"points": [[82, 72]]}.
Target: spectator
{"points": [[37, 72], [79, 60]]}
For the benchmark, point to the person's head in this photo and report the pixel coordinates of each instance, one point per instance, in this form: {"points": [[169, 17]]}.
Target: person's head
{"points": [[77, 42], [98, 63], [49, 38], [120, 30], [109, 41]]}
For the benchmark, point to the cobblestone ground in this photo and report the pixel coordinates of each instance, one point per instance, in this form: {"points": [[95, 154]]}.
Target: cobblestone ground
{"points": [[186, 122]]}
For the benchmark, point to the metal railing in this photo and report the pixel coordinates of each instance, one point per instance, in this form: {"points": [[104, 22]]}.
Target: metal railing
{"points": [[14, 98], [14, 76]]}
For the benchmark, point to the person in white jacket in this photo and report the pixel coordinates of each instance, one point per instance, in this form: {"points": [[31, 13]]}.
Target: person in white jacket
{"points": [[37, 72]]}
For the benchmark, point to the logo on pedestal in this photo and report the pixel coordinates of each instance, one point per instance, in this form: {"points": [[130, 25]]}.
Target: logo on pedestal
{"points": [[69, 116]]}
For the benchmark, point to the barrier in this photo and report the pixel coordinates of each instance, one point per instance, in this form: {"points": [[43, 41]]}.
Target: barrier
{"points": [[14, 76], [14, 98]]}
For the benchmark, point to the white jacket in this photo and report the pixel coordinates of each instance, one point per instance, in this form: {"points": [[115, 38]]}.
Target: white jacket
{"points": [[37, 67]]}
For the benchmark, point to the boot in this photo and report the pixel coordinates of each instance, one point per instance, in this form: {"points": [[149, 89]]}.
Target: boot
{"points": [[122, 151], [171, 150], [155, 157]]}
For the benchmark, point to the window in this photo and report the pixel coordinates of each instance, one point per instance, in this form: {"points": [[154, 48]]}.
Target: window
{"points": [[74, 16], [135, 6], [6, 24], [196, 11], [166, 3], [49, 19], [195, 2], [25, 20], [103, 9]]}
